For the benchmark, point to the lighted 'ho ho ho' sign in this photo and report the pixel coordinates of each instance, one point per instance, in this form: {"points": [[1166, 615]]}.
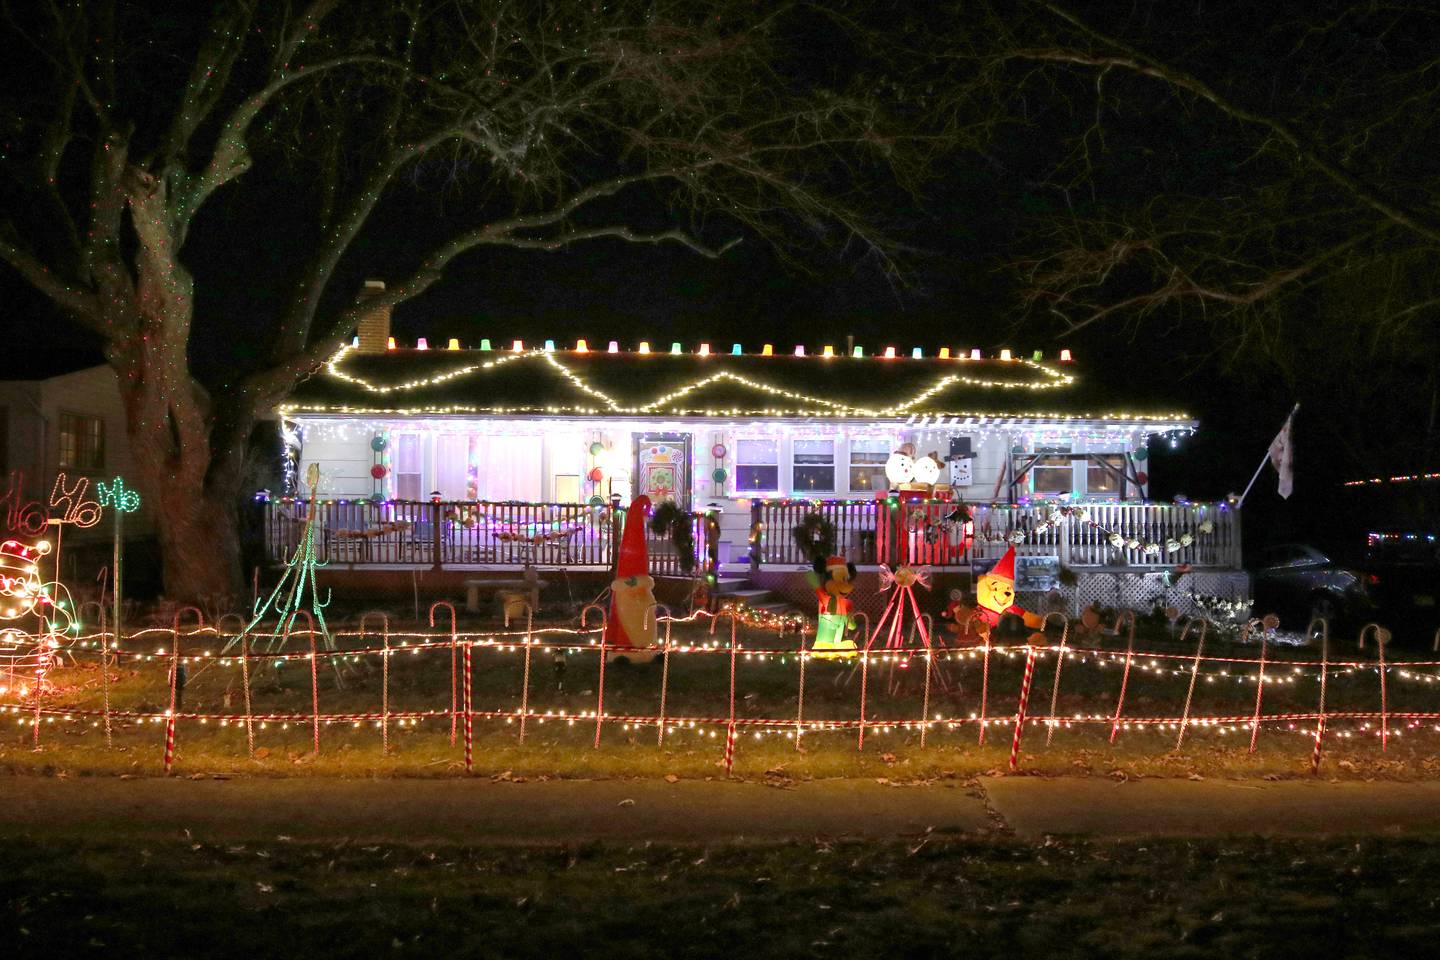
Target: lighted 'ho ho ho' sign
{"points": [[70, 500]]}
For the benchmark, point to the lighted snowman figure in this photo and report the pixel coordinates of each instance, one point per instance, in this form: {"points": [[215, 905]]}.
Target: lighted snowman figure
{"points": [[926, 471], [900, 468], [20, 586]]}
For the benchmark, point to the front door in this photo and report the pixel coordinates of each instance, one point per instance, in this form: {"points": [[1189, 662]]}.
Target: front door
{"points": [[662, 467]]}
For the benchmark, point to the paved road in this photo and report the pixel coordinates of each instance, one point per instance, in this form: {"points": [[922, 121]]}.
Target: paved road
{"points": [[701, 811]]}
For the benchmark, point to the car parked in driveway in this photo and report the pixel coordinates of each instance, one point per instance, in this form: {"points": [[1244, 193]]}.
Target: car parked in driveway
{"points": [[1299, 582]]}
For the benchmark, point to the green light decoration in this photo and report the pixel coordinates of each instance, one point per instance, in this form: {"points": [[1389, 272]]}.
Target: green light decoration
{"points": [[295, 590], [117, 496]]}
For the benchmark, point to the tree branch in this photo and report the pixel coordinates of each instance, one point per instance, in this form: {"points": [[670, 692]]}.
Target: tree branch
{"points": [[1143, 64], [82, 305]]}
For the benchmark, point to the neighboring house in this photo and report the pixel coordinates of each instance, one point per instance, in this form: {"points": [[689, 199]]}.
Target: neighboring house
{"points": [[72, 424], [495, 458]]}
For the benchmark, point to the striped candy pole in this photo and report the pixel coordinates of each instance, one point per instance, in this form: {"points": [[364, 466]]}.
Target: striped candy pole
{"points": [[984, 686], [1259, 685], [1194, 675], [1020, 711], [1124, 680], [169, 742], [245, 683], [1324, 675], [525, 673], [174, 696], [469, 714], [800, 699], [314, 691], [1059, 665], [1381, 638], [729, 747], [664, 684]]}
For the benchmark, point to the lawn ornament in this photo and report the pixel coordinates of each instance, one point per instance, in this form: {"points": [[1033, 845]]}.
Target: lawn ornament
{"points": [[631, 624], [834, 580], [995, 592]]}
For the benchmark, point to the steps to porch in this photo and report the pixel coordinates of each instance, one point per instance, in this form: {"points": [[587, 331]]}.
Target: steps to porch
{"points": [[756, 598]]}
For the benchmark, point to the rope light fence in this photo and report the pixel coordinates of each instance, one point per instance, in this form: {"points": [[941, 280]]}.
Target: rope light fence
{"points": [[154, 647]]}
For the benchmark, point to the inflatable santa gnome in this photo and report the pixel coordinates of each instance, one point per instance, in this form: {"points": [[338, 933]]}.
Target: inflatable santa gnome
{"points": [[995, 594], [630, 627]]}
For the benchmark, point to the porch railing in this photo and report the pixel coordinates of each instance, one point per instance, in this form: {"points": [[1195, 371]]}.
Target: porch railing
{"points": [[916, 533], [442, 534]]}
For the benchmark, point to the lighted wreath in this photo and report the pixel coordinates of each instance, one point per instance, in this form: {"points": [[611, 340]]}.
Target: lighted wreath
{"points": [[814, 535], [669, 520]]}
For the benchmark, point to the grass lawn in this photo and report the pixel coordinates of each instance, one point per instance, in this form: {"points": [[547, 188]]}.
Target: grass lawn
{"points": [[929, 897], [697, 687]]}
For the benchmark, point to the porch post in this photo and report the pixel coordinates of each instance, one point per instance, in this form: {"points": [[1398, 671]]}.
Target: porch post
{"points": [[757, 534], [616, 522], [436, 514]]}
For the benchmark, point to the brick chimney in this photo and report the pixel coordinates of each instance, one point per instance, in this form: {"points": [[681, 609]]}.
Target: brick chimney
{"points": [[374, 327]]}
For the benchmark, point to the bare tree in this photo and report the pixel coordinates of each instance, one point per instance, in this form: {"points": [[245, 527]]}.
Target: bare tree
{"points": [[1262, 176], [547, 118]]}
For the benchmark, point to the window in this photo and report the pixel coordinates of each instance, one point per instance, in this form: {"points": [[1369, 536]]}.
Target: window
{"points": [[1102, 482], [1052, 474], [82, 442], [757, 465], [408, 459], [867, 464], [814, 465]]}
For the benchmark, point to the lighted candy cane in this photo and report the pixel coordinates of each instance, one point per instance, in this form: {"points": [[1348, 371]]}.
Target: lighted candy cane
{"points": [[729, 747], [525, 675], [600, 696], [170, 716], [926, 625], [1382, 637], [384, 675], [984, 674], [1059, 663], [469, 712], [1194, 673], [454, 646], [665, 680], [1125, 671], [1268, 623], [1020, 709], [1324, 675], [734, 649]]}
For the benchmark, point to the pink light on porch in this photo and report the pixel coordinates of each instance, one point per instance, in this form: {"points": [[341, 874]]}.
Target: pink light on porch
{"points": [[518, 346], [454, 344], [704, 349], [581, 346], [1005, 354], [889, 353], [799, 350], [975, 354], [644, 346], [1065, 356], [614, 347], [422, 344]]}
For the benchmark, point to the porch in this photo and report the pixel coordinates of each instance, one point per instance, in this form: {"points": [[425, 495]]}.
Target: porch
{"points": [[507, 536]]}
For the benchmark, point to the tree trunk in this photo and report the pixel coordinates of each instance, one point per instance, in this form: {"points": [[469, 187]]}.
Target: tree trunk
{"points": [[199, 537]]}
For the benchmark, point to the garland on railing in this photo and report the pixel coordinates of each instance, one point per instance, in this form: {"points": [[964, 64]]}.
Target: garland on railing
{"points": [[1056, 515]]}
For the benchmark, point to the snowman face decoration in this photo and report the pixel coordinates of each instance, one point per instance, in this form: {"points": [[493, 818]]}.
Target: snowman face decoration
{"points": [[900, 468], [927, 471]]}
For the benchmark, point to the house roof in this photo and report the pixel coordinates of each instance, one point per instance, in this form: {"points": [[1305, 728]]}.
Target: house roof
{"points": [[596, 383]]}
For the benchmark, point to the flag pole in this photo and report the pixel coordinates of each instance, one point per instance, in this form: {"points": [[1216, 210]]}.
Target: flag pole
{"points": [[1263, 460]]}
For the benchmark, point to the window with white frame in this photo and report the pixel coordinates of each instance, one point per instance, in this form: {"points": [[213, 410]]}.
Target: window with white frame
{"points": [[1053, 473], [867, 463], [757, 466], [812, 466], [1104, 481], [409, 466]]}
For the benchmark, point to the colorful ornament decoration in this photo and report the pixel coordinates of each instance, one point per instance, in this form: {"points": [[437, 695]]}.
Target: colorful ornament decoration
{"points": [[378, 444], [834, 580], [718, 451], [596, 474], [719, 474], [596, 448], [631, 626], [379, 470]]}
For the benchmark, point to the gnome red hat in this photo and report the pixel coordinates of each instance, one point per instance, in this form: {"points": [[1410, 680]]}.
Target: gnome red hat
{"points": [[634, 559], [1005, 568], [632, 599]]}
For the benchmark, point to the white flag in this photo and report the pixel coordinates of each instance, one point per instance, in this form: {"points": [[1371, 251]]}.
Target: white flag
{"points": [[1282, 457]]}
